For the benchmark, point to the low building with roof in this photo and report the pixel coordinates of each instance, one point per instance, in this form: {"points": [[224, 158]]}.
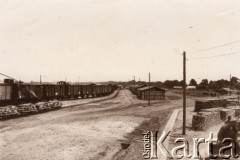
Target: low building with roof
{"points": [[191, 88], [177, 87], [228, 91], [155, 93], [225, 91], [134, 88]]}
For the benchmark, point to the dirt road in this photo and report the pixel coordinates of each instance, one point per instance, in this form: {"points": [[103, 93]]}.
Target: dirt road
{"points": [[90, 131]]}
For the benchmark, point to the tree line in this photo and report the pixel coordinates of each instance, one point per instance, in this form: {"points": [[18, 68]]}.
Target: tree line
{"points": [[205, 84]]}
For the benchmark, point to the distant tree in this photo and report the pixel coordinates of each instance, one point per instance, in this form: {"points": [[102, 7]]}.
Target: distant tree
{"points": [[159, 84], [212, 85], [234, 81], [203, 84], [176, 83], [168, 84], [181, 83], [141, 82], [193, 82], [171, 84], [237, 86], [221, 84]]}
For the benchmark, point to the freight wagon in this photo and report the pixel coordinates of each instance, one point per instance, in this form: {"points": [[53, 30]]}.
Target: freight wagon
{"points": [[5, 93], [16, 93]]}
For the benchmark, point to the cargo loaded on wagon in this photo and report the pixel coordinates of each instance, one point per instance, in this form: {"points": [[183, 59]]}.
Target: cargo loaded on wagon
{"points": [[18, 98]]}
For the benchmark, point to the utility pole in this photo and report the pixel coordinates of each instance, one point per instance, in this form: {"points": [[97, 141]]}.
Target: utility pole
{"points": [[149, 89], [184, 93], [230, 80], [40, 79], [134, 81]]}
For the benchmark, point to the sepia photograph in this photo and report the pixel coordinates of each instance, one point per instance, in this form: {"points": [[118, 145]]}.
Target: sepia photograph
{"points": [[119, 79]]}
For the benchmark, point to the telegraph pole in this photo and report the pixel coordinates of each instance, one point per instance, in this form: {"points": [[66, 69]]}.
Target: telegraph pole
{"points": [[149, 89], [230, 80], [134, 81], [184, 93], [40, 79]]}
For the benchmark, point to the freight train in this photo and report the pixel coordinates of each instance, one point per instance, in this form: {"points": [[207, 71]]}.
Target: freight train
{"points": [[33, 97]]}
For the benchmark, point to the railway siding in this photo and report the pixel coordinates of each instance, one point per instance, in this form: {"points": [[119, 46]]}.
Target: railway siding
{"points": [[73, 103]]}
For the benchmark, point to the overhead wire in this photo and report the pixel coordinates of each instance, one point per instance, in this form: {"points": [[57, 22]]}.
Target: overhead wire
{"points": [[8, 76], [215, 47], [220, 55], [211, 48]]}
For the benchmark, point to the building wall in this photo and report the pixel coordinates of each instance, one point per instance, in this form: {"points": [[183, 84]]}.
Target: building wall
{"points": [[154, 95]]}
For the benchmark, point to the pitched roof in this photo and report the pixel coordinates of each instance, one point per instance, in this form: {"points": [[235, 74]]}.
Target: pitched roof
{"points": [[191, 87], [227, 89], [177, 87], [151, 87]]}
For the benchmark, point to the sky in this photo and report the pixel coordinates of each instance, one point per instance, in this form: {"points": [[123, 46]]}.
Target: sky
{"points": [[103, 40]]}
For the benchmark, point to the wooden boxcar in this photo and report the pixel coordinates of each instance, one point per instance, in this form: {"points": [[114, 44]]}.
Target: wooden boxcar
{"points": [[29, 91], [5, 93], [86, 90], [73, 91], [98, 90], [53, 91]]}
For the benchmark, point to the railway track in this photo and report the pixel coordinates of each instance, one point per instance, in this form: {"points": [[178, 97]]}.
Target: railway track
{"points": [[12, 111]]}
